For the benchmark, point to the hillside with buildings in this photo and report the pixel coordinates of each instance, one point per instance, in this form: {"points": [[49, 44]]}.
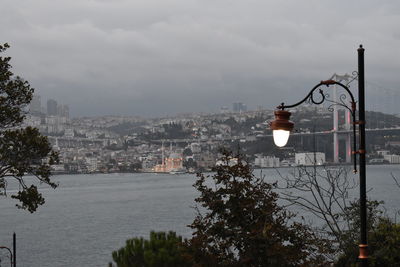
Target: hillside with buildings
{"points": [[191, 142]]}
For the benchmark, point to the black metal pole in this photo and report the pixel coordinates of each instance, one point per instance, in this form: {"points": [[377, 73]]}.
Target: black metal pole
{"points": [[363, 247], [14, 250]]}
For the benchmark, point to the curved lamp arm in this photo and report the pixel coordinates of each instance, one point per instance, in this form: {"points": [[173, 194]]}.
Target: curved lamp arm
{"points": [[310, 95], [11, 255], [351, 108]]}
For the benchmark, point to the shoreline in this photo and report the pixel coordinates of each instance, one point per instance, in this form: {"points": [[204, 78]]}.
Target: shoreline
{"points": [[206, 171]]}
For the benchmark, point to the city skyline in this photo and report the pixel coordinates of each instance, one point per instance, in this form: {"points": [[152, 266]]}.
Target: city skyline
{"points": [[168, 57], [256, 132], [52, 107]]}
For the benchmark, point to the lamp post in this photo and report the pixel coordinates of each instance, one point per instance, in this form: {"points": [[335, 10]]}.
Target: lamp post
{"points": [[282, 127], [11, 255]]}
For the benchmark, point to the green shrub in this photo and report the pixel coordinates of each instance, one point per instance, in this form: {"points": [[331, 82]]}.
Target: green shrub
{"points": [[162, 250]]}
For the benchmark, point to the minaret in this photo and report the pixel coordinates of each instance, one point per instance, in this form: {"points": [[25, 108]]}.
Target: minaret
{"points": [[162, 155]]}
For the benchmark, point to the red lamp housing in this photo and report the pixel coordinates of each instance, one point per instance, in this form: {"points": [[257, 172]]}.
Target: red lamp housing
{"points": [[281, 127]]}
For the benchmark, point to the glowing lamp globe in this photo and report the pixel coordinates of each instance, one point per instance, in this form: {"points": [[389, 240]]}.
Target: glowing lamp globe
{"points": [[281, 137], [281, 127]]}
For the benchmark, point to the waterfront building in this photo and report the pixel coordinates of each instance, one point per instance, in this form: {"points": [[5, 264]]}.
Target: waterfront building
{"points": [[392, 159], [91, 164], [383, 152], [267, 162], [310, 158], [377, 161], [148, 163], [393, 143], [173, 163], [205, 160], [231, 162]]}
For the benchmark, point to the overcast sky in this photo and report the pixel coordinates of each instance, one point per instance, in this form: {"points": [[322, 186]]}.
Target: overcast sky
{"points": [[157, 57]]}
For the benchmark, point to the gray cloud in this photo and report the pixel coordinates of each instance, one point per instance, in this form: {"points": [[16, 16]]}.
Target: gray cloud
{"points": [[156, 57]]}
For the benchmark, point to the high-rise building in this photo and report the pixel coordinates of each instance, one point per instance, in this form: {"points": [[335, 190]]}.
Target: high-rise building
{"points": [[51, 107], [35, 106], [239, 107], [63, 111], [224, 109]]}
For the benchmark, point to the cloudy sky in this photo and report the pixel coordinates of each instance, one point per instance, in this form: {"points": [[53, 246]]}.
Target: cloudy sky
{"points": [[157, 57]]}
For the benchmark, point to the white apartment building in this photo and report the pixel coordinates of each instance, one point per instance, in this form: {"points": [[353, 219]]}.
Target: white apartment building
{"points": [[33, 121], [393, 159], [69, 133], [91, 164], [307, 159], [266, 162]]}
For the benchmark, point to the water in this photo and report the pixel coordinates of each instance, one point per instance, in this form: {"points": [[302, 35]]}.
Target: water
{"points": [[89, 216]]}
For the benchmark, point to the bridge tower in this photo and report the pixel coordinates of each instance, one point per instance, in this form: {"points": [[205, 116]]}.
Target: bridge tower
{"points": [[347, 126]]}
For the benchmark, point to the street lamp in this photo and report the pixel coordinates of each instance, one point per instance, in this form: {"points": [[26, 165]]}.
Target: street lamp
{"points": [[11, 255], [281, 128]]}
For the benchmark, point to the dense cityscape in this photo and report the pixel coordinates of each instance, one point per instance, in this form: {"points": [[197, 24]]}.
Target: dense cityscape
{"points": [[191, 142], [199, 133]]}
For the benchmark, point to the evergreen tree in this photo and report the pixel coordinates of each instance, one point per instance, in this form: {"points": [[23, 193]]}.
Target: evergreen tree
{"points": [[162, 250]]}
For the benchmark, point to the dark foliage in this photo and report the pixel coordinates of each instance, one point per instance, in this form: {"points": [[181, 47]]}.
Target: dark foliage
{"points": [[383, 238], [22, 150], [170, 131], [324, 194], [126, 128], [162, 250], [239, 222]]}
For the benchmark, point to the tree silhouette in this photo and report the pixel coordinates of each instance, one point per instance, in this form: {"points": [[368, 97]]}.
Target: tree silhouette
{"points": [[23, 151]]}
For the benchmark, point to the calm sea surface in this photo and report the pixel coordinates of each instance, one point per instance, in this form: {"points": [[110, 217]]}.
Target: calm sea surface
{"points": [[89, 216]]}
